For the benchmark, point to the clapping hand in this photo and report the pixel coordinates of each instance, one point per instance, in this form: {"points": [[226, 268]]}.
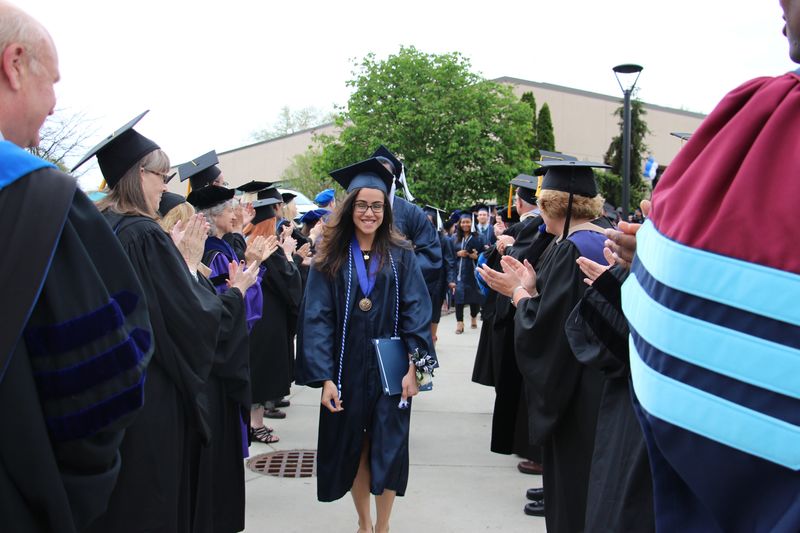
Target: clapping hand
{"points": [[592, 269], [622, 242], [289, 245], [270, 245], [305, 250], [240, 277], [190, 239]]}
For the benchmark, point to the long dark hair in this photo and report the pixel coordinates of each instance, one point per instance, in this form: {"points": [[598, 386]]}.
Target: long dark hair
{"points": [[460, 235], [332, 252]]}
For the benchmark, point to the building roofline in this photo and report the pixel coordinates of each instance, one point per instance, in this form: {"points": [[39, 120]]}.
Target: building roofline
{"points": [[589, 94], [300, 132]]}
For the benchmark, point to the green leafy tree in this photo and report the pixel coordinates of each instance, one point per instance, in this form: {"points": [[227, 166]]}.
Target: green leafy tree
{"points": [[545, 137], [610, 186], [613, 156], [300, 174], [529, 99], [461, 137]]}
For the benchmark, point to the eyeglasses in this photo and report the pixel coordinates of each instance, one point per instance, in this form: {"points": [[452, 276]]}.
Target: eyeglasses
{"points": [[164, 176], [361, 207]]}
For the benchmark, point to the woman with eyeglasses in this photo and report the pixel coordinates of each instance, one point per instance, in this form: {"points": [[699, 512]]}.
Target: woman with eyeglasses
{"points": [[159, 454], [364, 284]]}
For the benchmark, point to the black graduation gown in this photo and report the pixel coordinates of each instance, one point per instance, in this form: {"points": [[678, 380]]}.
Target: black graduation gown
{"points": [[510, 414], [61, 431], [446, 276], [221, 493], [366, 408], [272, 338], [467, 291], [156, 490], [620, 494], [563, 395], [411, 221]]}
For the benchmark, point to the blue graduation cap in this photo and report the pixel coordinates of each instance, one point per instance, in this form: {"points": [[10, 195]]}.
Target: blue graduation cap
{"points": [[370, 174], [325, 197], [118, 152], [201, 170], [312, 216]]}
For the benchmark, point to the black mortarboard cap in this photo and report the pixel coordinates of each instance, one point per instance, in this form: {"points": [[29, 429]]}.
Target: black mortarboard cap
{"points": [[681, 135], [169, 201], [504, 216], [118, 152], [369, 173], [265, 209], [207, 197], [254, 186], [270, 192], [526, 187], [382, 151], [570, 176], [288, 197], [556, 156], [201, 170]]}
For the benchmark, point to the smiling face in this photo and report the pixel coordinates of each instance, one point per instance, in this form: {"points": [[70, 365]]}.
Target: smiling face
{"points": [[483, 217], [465, 224], [368, 221]]}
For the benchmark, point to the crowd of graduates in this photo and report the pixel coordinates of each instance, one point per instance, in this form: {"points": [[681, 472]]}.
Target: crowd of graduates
{"points": [[647, 369]]}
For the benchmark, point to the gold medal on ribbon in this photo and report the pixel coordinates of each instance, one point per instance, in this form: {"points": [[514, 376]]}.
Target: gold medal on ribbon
{"points": [[365, 304]]}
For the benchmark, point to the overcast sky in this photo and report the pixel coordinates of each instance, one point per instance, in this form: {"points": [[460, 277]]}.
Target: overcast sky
{"points": [[213, 72]]}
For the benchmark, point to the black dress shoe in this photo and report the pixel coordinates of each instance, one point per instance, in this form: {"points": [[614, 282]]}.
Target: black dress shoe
{"points": [[535, 508], [535, 494], [283, 403]]}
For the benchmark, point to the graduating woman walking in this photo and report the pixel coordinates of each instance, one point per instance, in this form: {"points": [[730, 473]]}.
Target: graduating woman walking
{"points": [[364, 284]]}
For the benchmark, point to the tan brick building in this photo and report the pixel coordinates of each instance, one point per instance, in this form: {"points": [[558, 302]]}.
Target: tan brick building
{"points": [[583, 122]]}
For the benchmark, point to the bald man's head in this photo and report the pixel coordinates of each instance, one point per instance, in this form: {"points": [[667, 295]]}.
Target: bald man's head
{"points": [[28, 71]]}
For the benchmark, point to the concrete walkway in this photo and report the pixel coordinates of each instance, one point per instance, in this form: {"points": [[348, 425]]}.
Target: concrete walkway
{"points": [[455, 485]]}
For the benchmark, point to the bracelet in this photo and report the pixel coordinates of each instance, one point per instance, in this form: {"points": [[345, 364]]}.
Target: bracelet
{"points": [[518, 287]]}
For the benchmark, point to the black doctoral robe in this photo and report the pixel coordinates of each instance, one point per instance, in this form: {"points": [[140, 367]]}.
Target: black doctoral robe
{"points": [[563, 395], [221, 494], [367, 411], [74, 346], [272, 337], [411, 221], [620, 495], [157, 485]]}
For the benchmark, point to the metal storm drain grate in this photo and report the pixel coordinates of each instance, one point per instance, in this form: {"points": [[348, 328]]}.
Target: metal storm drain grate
{"points": [[287, 463]]}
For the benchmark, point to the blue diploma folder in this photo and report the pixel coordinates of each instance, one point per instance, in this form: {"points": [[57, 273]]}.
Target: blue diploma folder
{"points": [[392, 363]]}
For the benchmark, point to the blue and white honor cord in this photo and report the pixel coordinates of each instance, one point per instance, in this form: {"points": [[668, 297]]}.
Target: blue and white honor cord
{"points": [[347, 311]]}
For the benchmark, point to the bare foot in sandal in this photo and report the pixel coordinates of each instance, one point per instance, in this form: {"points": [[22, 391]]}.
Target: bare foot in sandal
{"points": [[263, 435]]}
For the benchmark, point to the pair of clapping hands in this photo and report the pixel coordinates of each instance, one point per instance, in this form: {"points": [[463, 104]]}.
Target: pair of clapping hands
{"points": [[518, 280], [190, 237]]}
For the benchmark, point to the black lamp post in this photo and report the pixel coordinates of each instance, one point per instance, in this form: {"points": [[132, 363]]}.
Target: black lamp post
{"points": [[627, 70]]}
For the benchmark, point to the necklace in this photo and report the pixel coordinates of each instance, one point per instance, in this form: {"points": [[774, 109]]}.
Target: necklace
{"points": [[365, 253]]}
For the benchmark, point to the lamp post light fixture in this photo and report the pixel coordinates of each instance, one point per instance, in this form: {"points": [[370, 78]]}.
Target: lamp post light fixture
{"points": [[627, 71]]}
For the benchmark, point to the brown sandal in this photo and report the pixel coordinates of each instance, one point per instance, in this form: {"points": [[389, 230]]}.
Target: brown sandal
{"points": [[459, 328]]}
